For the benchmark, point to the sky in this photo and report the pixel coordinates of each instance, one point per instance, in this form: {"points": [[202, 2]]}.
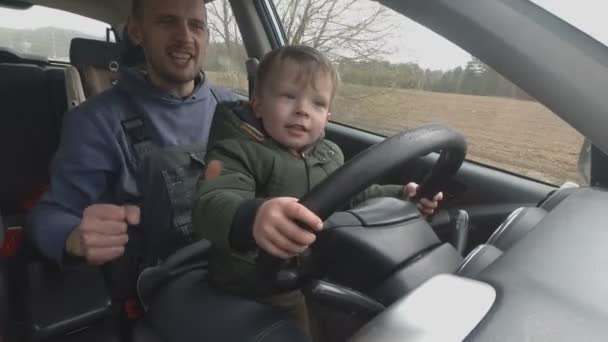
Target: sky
{"points": [[432, 51], [38, 16], [417, 44]]}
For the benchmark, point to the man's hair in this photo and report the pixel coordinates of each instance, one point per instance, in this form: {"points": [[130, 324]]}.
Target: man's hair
{"points": [[312, 65], [136, 8]]}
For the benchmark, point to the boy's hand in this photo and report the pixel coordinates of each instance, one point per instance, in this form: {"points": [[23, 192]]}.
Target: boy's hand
{"points": [[276, 230], [426, 206]]}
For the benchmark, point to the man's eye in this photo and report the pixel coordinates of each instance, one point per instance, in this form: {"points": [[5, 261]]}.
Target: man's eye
{"points": [[197, 25], [165, 21]]}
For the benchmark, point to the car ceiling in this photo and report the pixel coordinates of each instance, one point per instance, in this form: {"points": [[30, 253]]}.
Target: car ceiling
{"points": [[109, 11], [112, 12]]}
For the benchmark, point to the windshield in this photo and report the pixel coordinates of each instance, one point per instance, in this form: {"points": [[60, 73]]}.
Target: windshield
{"points": [[397, 74], [46, 32]]}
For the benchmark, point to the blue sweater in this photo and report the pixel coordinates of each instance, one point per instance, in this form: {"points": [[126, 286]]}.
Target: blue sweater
{"points": [[93, 163]]}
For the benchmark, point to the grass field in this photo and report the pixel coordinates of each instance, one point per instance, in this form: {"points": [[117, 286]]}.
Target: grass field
{"points": [[520, 136]]}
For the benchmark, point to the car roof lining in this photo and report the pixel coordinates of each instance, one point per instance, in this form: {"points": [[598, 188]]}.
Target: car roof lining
{"points": [[17, 4], [113, 12]]}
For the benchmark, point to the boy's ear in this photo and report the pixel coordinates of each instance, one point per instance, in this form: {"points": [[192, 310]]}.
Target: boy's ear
{"points": [[134, 31], [255, 105], [328, 115]]}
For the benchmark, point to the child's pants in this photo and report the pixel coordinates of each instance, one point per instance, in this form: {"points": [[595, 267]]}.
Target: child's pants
{"points": [[294, 304]]}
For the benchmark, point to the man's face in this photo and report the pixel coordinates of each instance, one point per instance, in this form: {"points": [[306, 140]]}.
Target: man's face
{"points": [[294, 109], [174, 37]]}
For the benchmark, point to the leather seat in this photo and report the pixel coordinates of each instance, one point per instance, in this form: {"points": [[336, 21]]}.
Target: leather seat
{"points": [[32, 93], [33, 102], [187, 308]]}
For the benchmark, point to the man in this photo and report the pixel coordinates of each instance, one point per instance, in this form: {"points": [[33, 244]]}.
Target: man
{"points": [[93, 193]]}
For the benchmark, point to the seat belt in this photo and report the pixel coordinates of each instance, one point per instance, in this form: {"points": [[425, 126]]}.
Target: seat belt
{"points": [[121, 273], [252, 68]]}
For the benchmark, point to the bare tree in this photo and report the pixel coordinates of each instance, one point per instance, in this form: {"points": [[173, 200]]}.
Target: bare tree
{"points": [[221, 23], [339, 28]]}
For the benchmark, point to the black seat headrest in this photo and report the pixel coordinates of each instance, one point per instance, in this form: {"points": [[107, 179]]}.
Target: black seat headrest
{"points": [[96, 53], [132, 54], [9, 56]]}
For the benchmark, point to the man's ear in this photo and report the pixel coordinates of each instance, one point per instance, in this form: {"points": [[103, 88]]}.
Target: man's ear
{"points": [[134, 30]]}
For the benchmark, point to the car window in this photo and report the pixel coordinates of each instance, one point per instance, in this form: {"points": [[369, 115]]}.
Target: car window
{"points": [[396, 74], [46, 32], [226, 55]]}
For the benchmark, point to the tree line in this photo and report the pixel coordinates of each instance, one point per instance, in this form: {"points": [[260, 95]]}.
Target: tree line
{"points": [[475, 78], [355, 35]]}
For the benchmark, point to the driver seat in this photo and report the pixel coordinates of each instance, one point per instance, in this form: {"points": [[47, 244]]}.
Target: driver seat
{"points": [[218, 317], [182, 278]]}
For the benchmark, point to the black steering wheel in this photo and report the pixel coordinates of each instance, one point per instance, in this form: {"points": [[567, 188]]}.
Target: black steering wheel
{"points": [[362, 170]]}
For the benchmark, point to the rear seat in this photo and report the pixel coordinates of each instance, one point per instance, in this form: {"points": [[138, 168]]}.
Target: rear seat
{"points": [[33, 100]]}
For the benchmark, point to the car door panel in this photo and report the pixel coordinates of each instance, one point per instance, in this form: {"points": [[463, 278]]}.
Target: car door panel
{"points": [[487, 194]]}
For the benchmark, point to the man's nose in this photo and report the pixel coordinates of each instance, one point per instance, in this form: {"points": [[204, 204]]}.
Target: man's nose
{"points": [[182, 32]]}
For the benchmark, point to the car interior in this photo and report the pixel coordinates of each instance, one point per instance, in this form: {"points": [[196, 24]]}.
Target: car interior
{"points": [[505, 258]]}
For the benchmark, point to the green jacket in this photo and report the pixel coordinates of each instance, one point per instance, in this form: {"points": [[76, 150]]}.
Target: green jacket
{"points": [[255, 167]]}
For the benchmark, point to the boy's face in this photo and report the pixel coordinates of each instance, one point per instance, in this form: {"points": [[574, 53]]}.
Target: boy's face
{"points": [[294, 108]]}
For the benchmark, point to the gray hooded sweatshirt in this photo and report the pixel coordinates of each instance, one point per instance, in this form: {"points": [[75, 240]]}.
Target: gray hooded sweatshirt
{"points": [[94, 163]]}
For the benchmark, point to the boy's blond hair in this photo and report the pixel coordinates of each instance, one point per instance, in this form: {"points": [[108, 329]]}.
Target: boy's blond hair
{"points": [[312, 64]]}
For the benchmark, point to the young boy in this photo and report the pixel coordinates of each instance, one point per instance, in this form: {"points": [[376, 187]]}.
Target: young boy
{"points": [[271, 151]]}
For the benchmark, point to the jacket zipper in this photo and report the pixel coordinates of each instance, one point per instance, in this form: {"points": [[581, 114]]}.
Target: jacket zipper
{"points": [[307, 171], [303, 155]]}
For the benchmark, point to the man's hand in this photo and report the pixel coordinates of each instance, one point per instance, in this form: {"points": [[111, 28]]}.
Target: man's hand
{"points": [[276, 230], [426, 206], [101, 235]]}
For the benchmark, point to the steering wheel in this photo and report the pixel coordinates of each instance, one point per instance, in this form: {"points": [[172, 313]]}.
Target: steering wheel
{"points": [[362, 170]]}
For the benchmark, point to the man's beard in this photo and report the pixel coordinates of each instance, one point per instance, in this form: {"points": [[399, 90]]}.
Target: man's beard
{"points": [[174, 78]]}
